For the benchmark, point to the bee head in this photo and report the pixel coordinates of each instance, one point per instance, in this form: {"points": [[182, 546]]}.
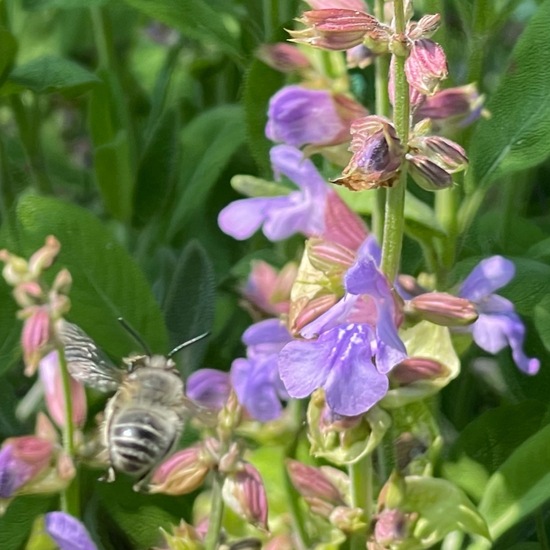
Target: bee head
{"points": [[135, 362]]}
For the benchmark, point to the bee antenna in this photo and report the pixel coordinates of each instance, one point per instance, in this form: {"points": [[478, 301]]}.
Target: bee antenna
{"points": [[135, 335], [188, 343]]}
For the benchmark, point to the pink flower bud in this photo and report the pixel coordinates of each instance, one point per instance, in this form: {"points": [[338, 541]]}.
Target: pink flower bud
{"points": [[311, 482], [244, 493], [342, 225], [347, 519], [424, 28], [329, 257], [21, 460], [50, 375], [334, 29], [390, 527], [409, 285], [426, 66], [62, 282], [428, 174], [35, 337], [304, 313], [283, 57], [377, 155], [443, 309], [357, 5], [417, 368], [445, 153], [28, 294], [182, 473]]}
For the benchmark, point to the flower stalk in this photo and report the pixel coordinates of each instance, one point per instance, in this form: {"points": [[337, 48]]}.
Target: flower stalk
{"points": [[360, 474], [216, 514]]}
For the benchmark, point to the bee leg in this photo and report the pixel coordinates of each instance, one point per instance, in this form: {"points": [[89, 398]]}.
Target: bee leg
{"points": [[109, 477], [142, 485]]}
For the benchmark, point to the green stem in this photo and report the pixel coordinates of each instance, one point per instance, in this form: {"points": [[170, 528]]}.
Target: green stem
{"points": [[360, 475], [216, 515], [394, 222], [70, 496], [446, 211], [541, 530]]}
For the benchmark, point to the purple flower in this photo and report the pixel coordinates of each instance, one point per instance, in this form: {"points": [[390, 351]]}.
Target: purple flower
{"points": [[301, 211], [67, 532], [209, 387], [256, 379], [357, 343], [300, 116], [498, 324]]}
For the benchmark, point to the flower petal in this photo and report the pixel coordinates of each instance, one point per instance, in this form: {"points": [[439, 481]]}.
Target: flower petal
{"points": [[489, 275]]}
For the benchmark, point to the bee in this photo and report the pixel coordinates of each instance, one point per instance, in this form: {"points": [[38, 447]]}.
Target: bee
{"points": [[146, 416]]}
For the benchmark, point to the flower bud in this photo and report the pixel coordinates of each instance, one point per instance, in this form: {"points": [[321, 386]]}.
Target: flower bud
{"points": [[427, 174], [16, 269], [334, 29], [303, 314], [50, 376], [445, 153], [35, 337], [347, 519], [21, 460], [409, 286], [67, 532], [424, 28], [244, 493], [377, 155], [426, 66], [359, 57], [183, 537], [414, 369], [28, 294], [312, 483], [357, 5], [442, 309], [182, 473], [62, 282], [342, 225], [280, 542], [329, 257], [44, 257], [390, 527], [283, 57]]}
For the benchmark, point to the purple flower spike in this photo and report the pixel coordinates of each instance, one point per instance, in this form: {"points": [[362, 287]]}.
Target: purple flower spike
{"points": [[256, 379], [209, 387], [300, 116], [301, 211], [498, 324], [67, 532]]}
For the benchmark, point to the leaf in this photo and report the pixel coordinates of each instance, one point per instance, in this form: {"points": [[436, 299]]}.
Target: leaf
{"points": [[487, 442], [35, 5], [107, 283], [8, 49], [193, 18], [17, 522], [519, 486], [189, 304], [48, 74], [157, 168], [517, 136], [542, 320], [261, 83], [210, 140]]}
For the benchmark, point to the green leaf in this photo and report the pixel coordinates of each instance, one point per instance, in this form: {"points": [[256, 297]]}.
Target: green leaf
{"points": [[210, 140], [519, 486], [48, 74], [517, 135], [261, 83], [442, 508], [487, 442], [8, 49], [189, 304], [542, 320], [35, 5], [195, 19], [157, 168], [251, 186], [107, 283], [17, 522]]}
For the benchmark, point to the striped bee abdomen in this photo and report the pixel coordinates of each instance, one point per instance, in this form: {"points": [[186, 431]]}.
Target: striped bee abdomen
{"points": [[139, 440]]}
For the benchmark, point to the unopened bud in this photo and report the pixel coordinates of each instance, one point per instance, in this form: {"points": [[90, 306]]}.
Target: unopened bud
{"points": [[67, 532], [16, 269], [62, 282], [409, 287], [357, 5], [342, 225], [390, 527], [445, 153], [426, 66], [283, 57], [35, 337], [44, 257], [182, 473], [428, 174], [425, 27], [417, 368], [377, 155], [347, 519], [442, 309], [230, 461], [329, 257], [65, 467], [244, 493], [310, 311], [183, 537], [334, 29]]}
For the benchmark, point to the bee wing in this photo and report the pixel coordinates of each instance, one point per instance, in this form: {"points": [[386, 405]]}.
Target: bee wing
{"points": [[86, 362], [204, 415]]}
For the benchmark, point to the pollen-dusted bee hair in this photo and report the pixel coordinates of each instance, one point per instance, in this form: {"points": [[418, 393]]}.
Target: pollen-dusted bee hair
{"points": [[145, 417]]}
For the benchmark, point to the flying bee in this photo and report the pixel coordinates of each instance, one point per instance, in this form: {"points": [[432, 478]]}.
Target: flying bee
{"points": [[146, 416]]}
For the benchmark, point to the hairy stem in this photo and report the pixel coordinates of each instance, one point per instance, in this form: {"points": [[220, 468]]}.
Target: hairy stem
{"points": [[360, 475], [395, 198], [70, 496], [216, 515]]}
